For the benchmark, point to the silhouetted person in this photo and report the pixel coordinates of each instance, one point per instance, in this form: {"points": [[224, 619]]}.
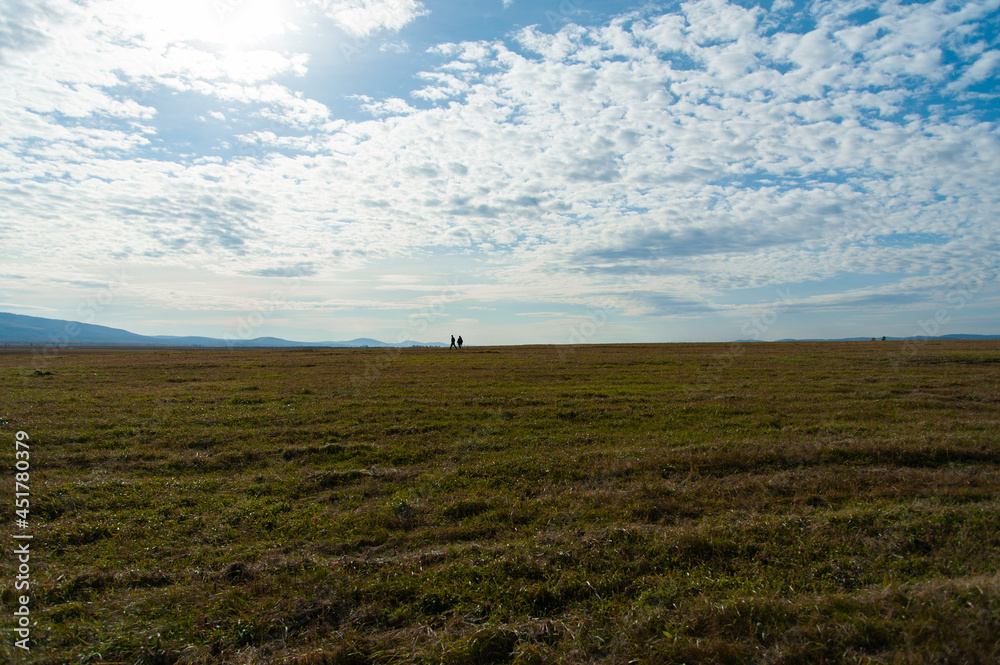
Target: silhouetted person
{"points": [[452, 342], [460, 342]]}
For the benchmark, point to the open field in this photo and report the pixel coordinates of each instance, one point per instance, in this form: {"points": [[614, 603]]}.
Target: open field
{"points": [[772, 503]]}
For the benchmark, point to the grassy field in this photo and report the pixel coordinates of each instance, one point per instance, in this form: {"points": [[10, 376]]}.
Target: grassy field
{"points": [[763, 503]]}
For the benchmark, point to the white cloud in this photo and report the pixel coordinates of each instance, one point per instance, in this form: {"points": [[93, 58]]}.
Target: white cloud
{"points": [[815, 51], [394, 47], [363, 18], [393, 106], [714, 20], [982, 69], [656, 162]]}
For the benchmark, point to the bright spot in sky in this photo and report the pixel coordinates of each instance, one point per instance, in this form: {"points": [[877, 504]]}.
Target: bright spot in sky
{"points": [[230, 23], [249, 21]]}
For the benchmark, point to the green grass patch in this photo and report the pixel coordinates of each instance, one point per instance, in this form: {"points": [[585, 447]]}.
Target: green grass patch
{"points": [[786, 503]]}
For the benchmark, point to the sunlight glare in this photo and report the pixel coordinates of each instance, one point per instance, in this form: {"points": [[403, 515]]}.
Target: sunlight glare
{"points": [[250, 21], [229, 23]]}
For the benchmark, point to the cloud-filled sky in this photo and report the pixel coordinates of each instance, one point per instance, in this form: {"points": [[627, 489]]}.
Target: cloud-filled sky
{"points": [[512, 171]]}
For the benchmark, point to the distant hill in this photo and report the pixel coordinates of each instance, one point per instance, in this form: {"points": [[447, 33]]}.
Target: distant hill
{"points": [[20, 329]]}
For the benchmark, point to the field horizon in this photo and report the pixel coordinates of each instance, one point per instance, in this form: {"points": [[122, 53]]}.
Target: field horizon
{"points": [[766, 502], [19, 331]]}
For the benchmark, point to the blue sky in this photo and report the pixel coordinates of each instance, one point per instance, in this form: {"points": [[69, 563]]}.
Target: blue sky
{"points": [[514, 172]]}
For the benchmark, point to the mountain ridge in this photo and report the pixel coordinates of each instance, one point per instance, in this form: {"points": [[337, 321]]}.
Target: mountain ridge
{"points": [[17, 329], [23, 329]]}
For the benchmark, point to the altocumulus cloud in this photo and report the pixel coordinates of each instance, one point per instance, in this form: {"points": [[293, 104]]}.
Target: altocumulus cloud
{"points": [[674, 161]]}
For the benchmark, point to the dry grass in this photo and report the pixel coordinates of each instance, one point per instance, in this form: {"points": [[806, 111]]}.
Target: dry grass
{"points": [[765, 503]]}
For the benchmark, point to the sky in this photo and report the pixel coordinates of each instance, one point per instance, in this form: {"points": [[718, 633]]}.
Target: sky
{"points": [[557, 171]]}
